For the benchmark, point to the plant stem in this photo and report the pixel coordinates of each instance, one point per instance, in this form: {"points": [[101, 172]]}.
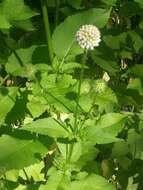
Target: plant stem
{"points": [[57, 12], [47, 29], [79, 90], [67, 150], [70, 151], [71, 146], [27, 178], [63, 59]]}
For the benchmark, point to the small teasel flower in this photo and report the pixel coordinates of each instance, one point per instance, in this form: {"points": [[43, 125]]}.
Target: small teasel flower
{"points": [[100, 86], [88, 37]]}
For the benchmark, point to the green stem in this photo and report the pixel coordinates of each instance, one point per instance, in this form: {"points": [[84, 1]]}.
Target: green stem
{"points": [[71, 146], [57, 12], [70, 151], [47, 29], [79, 90], [67, 151], [63, 59], [27, 178]]}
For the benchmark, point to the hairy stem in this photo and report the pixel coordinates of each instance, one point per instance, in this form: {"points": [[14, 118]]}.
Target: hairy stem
{"points": [[47, 29]]}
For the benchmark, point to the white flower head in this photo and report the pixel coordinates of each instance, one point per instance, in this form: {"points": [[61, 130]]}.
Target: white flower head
{"points": [[88, 37]]}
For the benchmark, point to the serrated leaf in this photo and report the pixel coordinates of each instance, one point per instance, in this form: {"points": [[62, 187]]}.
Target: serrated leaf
{"points": [[137, 70], [92, 182], [36, 107], [110, 2], [4, 24], [12, 11], [7, 101], [134, 143], [107, 65], [28, 187], [136, 84], [106, 100], [70, 66], [107, 127], [75, 4], [17, 153], [47, 126], [34, 172], [61, 182], [111, 120], [25, 62]]}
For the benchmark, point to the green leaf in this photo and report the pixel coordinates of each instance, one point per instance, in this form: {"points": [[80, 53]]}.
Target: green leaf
{"points": [[25, 25], [12, 11], [25, 62], [111, 120], [4, 24], [130, 9], [92, 182], [131, 184], [47, 126], [12, 175], [107, 127], [106, 100], [108, 65], [109, 2], [77, 151], [56, 93], [136, 40], [134, 143], [75, 4], [61, 182], [88, 154], [34, 172], [64, 34], [136, 84], [137, 70], [7, 101], [36, 107], [140, 2], [70, 66], [17, 153], [28, 187]]}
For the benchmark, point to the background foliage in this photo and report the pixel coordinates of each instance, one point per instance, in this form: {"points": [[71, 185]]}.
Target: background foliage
{"points": [[45, 141]]}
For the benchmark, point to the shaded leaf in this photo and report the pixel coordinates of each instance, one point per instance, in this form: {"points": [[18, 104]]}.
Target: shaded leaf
{"points": [[12, 11], [47, 126], [92, 182], [14, 151], [7, 101]]}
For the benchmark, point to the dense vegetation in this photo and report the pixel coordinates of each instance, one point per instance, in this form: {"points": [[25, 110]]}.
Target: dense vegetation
{"points": [[71, 119]]}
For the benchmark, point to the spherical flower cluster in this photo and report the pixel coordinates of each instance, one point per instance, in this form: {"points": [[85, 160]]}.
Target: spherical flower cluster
{"points": [[88, 37], [100, 86]]}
